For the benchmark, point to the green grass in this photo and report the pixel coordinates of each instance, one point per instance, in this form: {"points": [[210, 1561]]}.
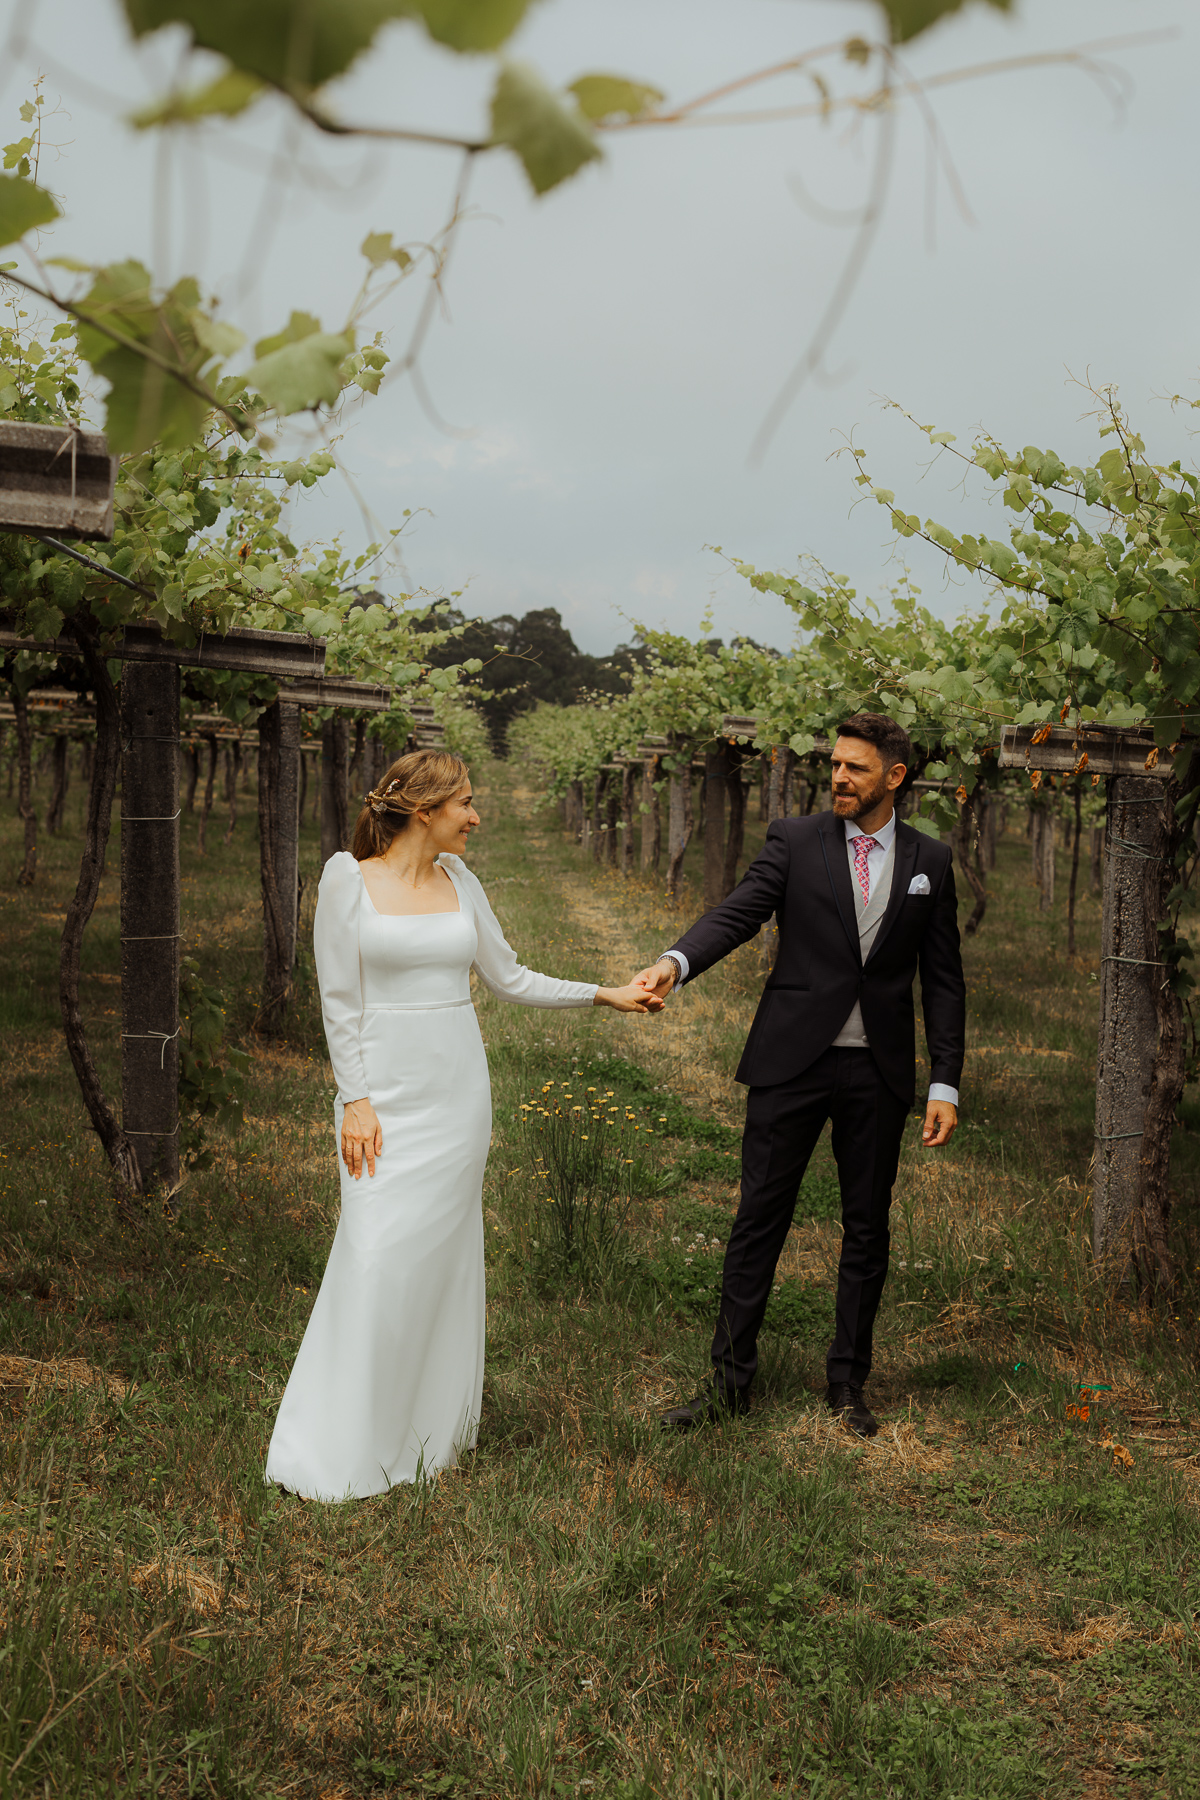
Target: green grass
{"points": [[986, 1601]]}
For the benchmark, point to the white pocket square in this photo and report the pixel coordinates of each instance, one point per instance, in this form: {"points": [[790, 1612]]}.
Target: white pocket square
{"points": [[919, 884]]}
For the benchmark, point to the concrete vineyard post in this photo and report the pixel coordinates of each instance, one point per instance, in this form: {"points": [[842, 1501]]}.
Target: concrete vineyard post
{"points": [[1046, 872], [575, 815], [597, 816], [1129, 968], [209, 740], [278, 848], [192, 754], [990, 833], [1133, 1118], [62, 778], [1076, 835], [25, 807], [1041, 851], [358, 753], [1097, 865], [679, 815], [781, 758], [375, 768], [628, 788], [736, 789], [647, 816], [716, 776], [150, 918], [335, 775], [287, 823], [233, 770], [651, 817]]}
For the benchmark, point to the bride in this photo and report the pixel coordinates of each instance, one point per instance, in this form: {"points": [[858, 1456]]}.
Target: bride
{"points": [[388, 1381]]}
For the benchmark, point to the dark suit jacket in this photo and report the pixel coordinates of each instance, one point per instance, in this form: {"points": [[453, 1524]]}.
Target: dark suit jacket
{"points": [[802, 875]]}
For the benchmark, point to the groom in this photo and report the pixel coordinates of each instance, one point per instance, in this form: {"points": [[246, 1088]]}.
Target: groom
{"points": [[862, 902]]}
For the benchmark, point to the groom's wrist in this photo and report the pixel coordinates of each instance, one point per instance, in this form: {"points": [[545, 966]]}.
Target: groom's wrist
{"points": [[677, 962]]}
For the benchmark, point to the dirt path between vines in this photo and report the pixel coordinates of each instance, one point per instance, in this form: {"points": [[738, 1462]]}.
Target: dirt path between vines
{"points": [[678, 1044]]}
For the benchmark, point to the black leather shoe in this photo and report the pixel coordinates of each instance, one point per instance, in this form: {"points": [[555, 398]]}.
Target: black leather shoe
{"points": [[709, 1408], [845, 1398]]}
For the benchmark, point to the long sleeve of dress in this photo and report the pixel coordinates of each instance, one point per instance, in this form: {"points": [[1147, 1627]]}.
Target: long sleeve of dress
{"points": [[497, 965], [335, 945]]}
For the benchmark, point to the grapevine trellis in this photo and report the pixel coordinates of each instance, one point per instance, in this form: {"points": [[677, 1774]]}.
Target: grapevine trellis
{"points": [[1133, 970], [163, 603], [1134, 974], [151, 815]]}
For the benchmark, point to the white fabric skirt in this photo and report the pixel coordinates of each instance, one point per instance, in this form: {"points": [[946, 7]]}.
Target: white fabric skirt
{"points": [[388, 1382]]}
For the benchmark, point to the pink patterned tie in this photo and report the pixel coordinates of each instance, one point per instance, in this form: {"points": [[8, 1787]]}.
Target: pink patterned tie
{"points": [[863, 847]]}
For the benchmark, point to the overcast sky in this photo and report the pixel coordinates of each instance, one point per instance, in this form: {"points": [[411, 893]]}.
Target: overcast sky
{"points": [[610, 351]]}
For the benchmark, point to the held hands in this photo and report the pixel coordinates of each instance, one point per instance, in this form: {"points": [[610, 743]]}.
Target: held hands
{"points": [[362, 1137], [657, 980], [633, 997], [647, 992], [941, 1122]]}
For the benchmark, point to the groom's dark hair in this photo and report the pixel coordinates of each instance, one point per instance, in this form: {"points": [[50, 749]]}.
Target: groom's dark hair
{"points": [[891, 740]]}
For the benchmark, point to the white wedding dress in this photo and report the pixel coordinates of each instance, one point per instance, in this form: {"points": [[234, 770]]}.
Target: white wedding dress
{"points": [[389, 1378]]}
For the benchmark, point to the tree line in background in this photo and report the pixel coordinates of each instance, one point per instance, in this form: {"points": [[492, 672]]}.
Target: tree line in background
{"points": [[526, 661]]}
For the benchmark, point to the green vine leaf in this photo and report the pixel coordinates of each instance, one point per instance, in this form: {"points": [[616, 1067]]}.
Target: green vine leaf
{"points": [[145, 406], [300, 325], [227, 97], [302, 375], [23, 207], [552, 139], [297, 45], [605, 97], [470, 24], [907, 19], [219, 338], [16, 156], [148, 403], [378, 249]]}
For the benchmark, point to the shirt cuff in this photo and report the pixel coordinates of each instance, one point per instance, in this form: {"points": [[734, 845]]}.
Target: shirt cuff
{"points": [[681, 963], [939, 1091]]}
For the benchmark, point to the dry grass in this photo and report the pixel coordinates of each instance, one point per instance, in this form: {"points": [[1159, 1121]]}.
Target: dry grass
{"points": [[32, 1378]]}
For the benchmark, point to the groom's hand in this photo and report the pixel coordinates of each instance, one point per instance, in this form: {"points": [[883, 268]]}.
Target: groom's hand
{"points": [[657, 980], [941, 1122]]}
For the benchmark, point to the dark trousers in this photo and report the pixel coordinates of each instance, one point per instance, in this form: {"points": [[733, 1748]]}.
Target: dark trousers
{"points": [[783, 1124]]}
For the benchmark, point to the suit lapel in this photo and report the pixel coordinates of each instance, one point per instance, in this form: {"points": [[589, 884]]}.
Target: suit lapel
{"points": [[832, 834], [902, 870]]}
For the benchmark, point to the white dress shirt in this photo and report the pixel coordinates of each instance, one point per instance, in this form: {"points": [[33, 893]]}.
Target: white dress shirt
{"points": [[876, 857]]}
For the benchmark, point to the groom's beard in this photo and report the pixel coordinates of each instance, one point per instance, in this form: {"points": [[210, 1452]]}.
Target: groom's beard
{"points": [[850, 806]]}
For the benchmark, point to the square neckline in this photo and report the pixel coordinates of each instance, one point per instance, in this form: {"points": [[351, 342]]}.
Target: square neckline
{"points": [[442, 912]]}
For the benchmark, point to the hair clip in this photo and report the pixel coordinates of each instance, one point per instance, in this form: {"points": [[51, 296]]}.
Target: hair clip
{"points": [[380, 803]]}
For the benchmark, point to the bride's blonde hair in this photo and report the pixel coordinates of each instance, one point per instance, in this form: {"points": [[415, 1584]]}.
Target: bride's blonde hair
{"points": [[418, 782]]}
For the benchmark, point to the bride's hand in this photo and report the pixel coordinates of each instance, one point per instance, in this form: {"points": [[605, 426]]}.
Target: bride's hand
{"points": [[631, 998], [362, 1137]]}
